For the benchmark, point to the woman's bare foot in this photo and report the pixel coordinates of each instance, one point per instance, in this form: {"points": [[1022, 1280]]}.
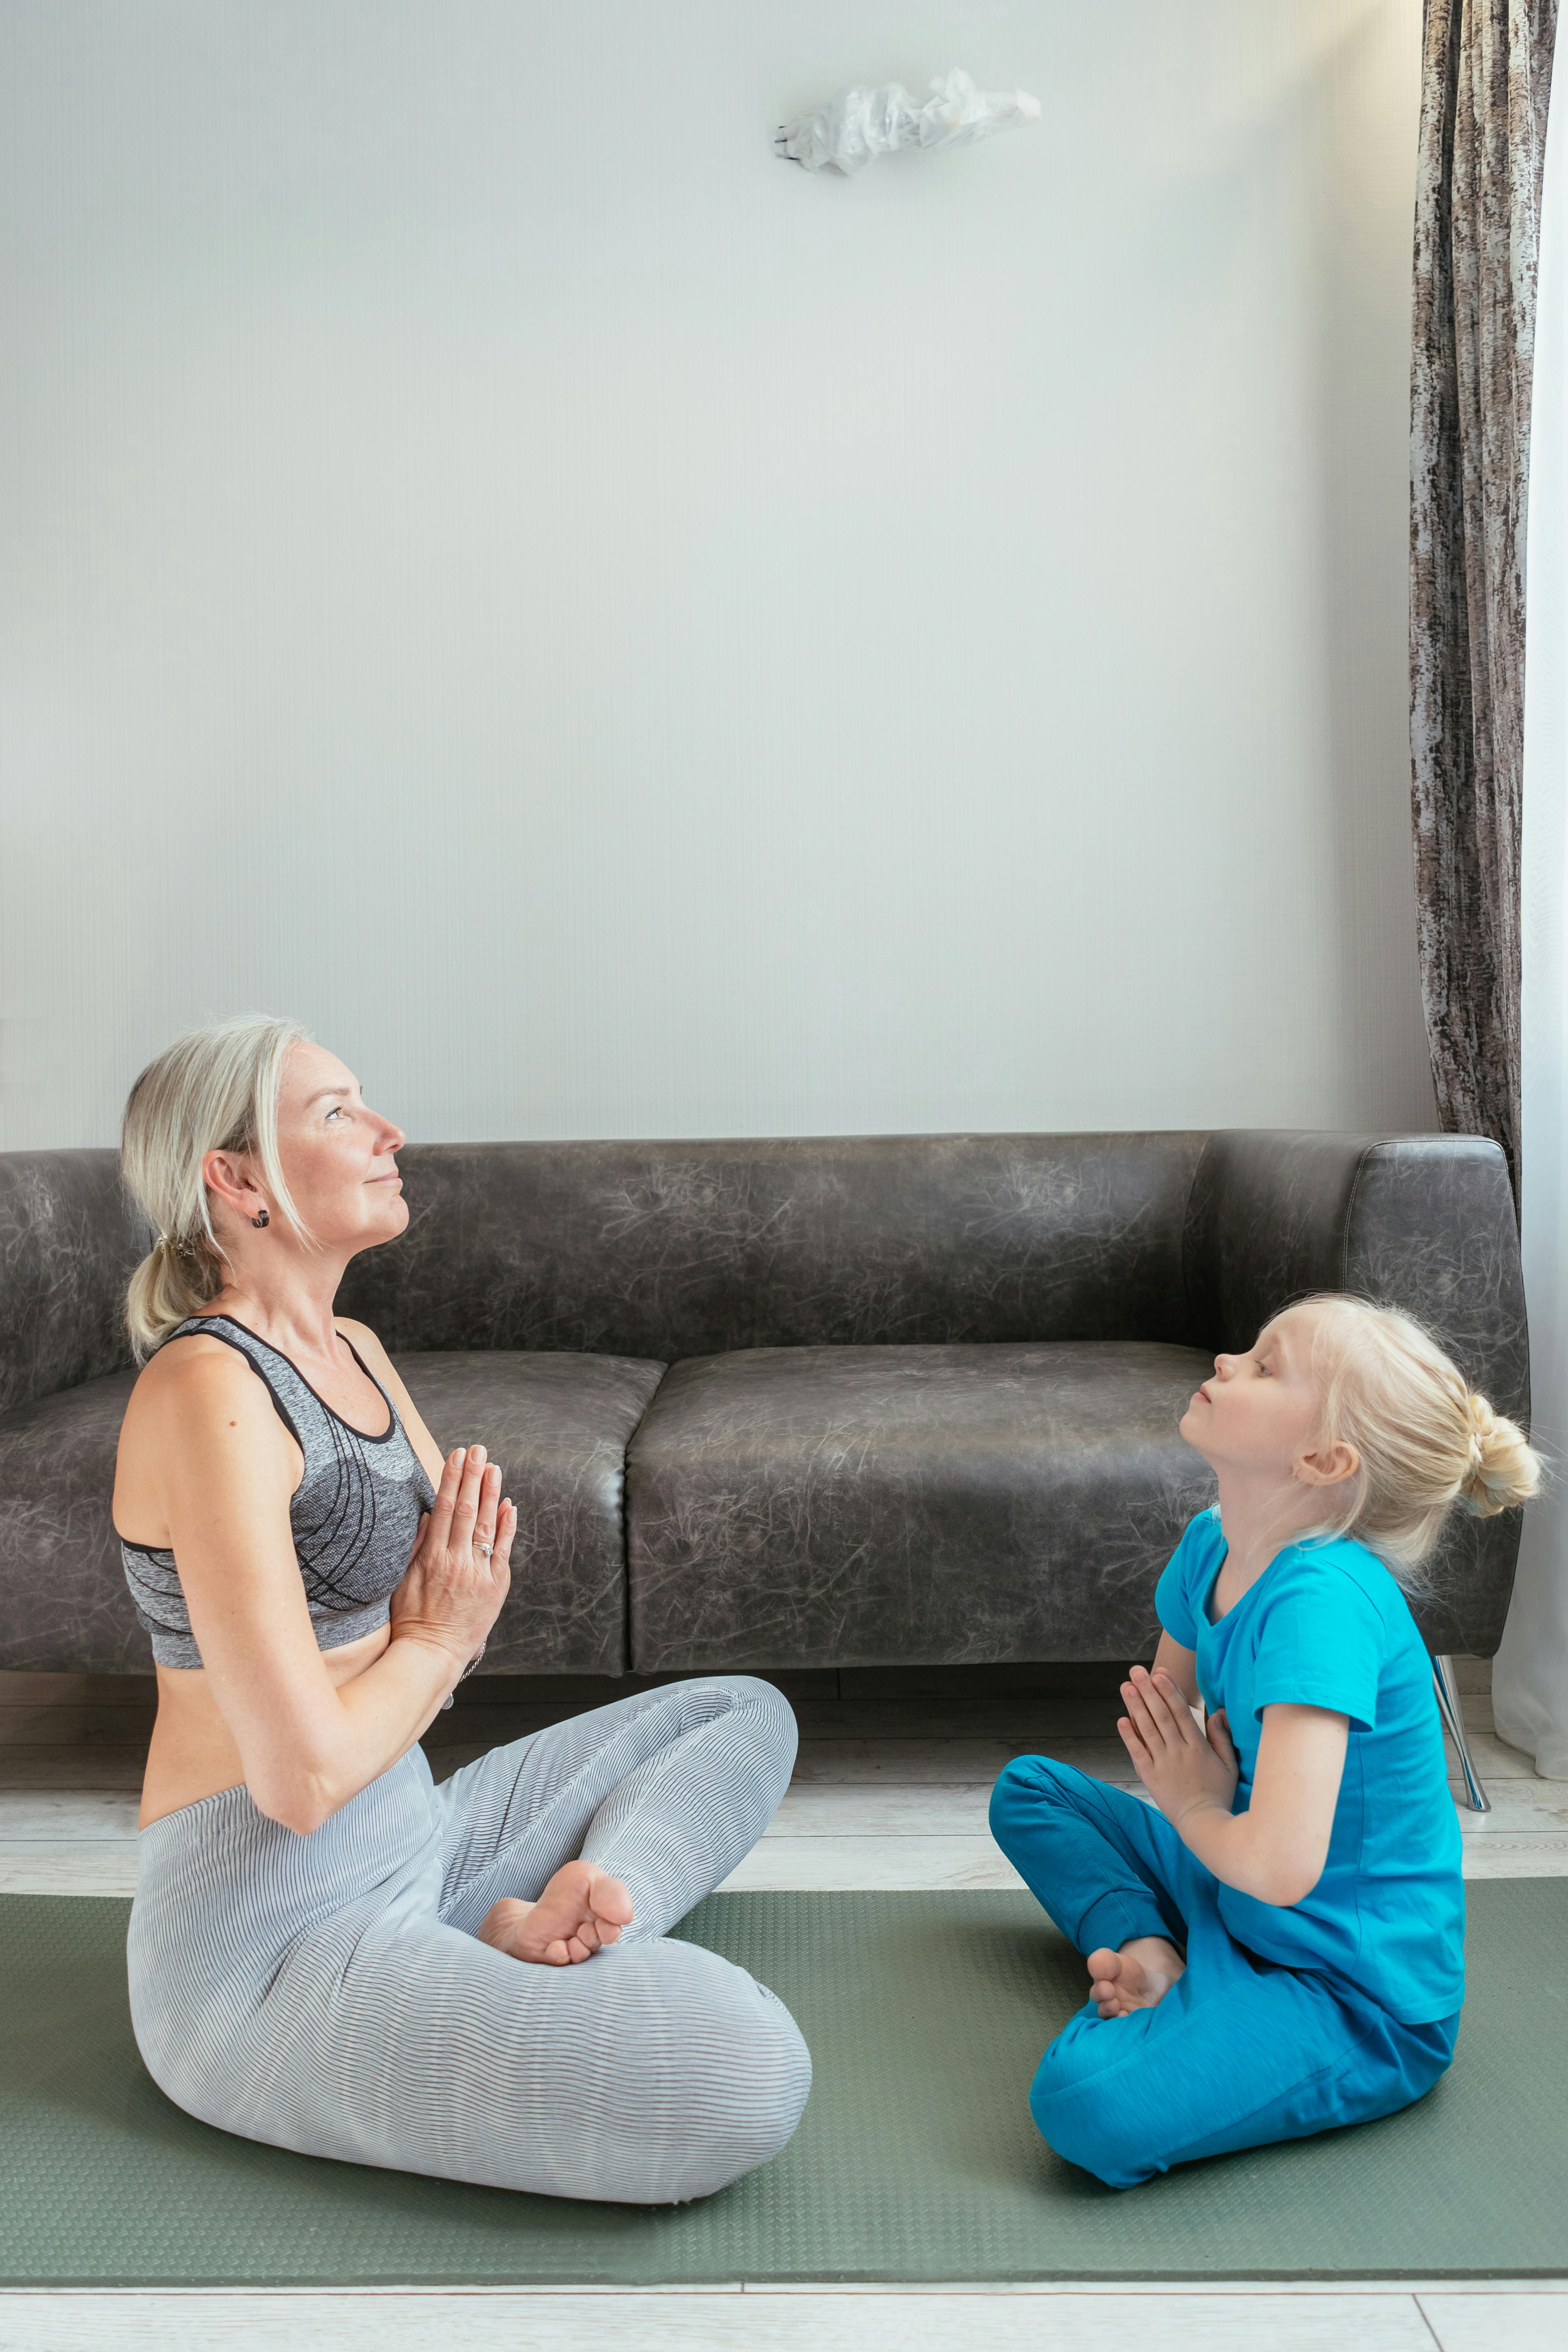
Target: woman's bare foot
{"points": [[1137, 1977], [581, 1909]]}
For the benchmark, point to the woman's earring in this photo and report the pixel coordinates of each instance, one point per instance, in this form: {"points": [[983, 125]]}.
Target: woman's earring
{"points": [[264, 1219]]}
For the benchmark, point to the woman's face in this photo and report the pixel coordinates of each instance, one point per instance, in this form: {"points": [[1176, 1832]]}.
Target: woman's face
{"points": [[336, 1154]]}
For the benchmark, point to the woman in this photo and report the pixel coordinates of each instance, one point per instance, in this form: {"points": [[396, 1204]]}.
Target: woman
{"points": [[328, 1952]]}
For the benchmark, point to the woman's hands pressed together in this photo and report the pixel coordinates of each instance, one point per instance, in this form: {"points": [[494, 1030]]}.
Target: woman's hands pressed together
{"points": [[460, 1569], [1184, 1770]]}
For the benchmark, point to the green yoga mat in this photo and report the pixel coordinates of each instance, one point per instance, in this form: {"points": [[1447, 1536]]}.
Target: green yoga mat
{"points": [[916, 2160]]}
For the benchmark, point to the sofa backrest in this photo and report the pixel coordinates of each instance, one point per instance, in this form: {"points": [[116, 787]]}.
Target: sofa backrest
{"points": [[687, 1249], [668, 1250], [69, 1237]]}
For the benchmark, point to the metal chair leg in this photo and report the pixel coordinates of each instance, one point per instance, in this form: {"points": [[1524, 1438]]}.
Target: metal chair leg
{"points": [[1454, 1718]]}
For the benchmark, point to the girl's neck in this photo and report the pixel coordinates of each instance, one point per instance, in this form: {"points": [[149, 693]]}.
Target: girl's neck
{"points": [[1260, 1514]]}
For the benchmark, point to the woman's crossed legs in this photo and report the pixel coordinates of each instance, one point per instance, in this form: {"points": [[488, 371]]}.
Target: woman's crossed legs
{"points": [[663, 1792], [331, 1994], [651, 2071]]}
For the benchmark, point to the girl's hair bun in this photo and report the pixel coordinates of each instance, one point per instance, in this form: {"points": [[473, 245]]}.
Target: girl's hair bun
{"points": [[1423, 1441], [1502, 1470]]}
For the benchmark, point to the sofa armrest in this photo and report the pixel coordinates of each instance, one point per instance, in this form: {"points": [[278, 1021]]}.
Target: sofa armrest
{"points": [[1422, 1222], [69, 1237]]}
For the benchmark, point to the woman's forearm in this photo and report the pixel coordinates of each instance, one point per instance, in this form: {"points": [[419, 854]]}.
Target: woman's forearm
{"points": [[346, 1735], [373, 1721], [398, 1698]]}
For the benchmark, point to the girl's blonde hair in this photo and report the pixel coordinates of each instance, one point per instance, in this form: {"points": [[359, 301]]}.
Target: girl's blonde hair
{"points": [[214, 1090], [1426, 1441]]}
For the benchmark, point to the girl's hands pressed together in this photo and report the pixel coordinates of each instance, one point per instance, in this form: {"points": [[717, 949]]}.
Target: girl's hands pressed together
{"points": [[459, 1573], [1185, 1770]]}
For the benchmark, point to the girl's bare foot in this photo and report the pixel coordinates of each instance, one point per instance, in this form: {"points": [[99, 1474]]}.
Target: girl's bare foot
{"points": [[581, 1909], [1137, 1977]]}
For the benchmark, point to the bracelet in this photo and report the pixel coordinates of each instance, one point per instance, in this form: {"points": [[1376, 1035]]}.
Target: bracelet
{"points": [[463, 1677]]}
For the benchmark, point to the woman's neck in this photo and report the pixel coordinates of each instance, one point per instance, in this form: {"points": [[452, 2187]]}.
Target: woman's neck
{"points": [[1260, 1514], [288, 1301]]}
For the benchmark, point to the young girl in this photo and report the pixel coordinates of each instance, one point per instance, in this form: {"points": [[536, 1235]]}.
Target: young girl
{"points": [[1280, 1948]]}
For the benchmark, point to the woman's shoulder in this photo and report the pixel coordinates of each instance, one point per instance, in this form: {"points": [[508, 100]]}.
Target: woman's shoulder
{"points": [[198, 1413], [375, 1359], [194, 1372], [361, 1336], [381, 1367]]}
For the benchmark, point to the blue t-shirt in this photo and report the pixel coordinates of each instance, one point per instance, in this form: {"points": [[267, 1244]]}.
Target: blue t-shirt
{"points": [[1326, 1625]]}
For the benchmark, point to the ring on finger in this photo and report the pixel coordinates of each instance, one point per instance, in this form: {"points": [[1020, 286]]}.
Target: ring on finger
{"points": [[484, 1551]]}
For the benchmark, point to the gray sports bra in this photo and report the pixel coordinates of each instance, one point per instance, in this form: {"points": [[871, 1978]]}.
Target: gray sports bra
{"points": [[354, 1514]]}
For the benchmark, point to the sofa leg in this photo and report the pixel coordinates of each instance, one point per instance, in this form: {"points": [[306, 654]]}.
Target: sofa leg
{"points": [[1454, 1718]]}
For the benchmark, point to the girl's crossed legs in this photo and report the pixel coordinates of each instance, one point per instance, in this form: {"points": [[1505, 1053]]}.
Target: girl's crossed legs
{"points": [[1238, 2052]]}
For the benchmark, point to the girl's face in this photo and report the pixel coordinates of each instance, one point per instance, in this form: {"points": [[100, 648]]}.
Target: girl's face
{"points": [[1260, 1412], [336, 1155]]}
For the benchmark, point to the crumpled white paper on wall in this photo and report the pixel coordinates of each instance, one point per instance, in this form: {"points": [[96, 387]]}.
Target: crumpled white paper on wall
{"points": [[853, 129]]}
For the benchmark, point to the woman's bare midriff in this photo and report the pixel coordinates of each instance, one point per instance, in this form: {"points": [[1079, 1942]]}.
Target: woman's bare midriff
{"points": [[194, 1753]]}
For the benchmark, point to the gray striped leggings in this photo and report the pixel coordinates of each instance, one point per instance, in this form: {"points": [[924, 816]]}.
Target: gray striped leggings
{"points": [[328, 1993]]}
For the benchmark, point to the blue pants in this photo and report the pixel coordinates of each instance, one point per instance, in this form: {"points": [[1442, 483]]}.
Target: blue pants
{"points": [[1239, 2052]]}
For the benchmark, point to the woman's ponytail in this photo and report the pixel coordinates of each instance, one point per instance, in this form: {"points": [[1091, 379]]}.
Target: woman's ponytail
{"points": [[171, 1283], [216, 1090]]}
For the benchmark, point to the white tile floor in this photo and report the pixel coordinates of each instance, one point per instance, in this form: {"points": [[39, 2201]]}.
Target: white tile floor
{"points": [[890, 1791], [1153, 2319]]}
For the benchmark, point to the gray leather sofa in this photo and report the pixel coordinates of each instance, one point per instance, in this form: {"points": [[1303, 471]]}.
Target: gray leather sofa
{"points": [[885, 1401]]}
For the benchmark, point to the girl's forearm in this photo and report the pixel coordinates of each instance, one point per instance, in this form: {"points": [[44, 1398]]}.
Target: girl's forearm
{"points": [[1245, 1851]]}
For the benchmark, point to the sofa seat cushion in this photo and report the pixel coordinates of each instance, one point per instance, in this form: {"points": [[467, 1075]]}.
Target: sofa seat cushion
{"points": [[558, 1425], [910, 1505]]}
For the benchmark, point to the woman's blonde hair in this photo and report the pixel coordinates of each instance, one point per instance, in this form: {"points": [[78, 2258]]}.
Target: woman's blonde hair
{"points": [[214, 1090], [1425, 1440]]}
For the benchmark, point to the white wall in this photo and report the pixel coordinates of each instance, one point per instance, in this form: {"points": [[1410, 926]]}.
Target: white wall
{"points": [[625, 637]]}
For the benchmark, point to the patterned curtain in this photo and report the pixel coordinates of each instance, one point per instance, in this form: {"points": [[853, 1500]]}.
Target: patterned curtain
{"points": [[1486, 73]]}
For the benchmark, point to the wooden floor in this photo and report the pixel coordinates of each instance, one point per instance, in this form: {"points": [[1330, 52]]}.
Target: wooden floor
{"points": [[891, 1791]]}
